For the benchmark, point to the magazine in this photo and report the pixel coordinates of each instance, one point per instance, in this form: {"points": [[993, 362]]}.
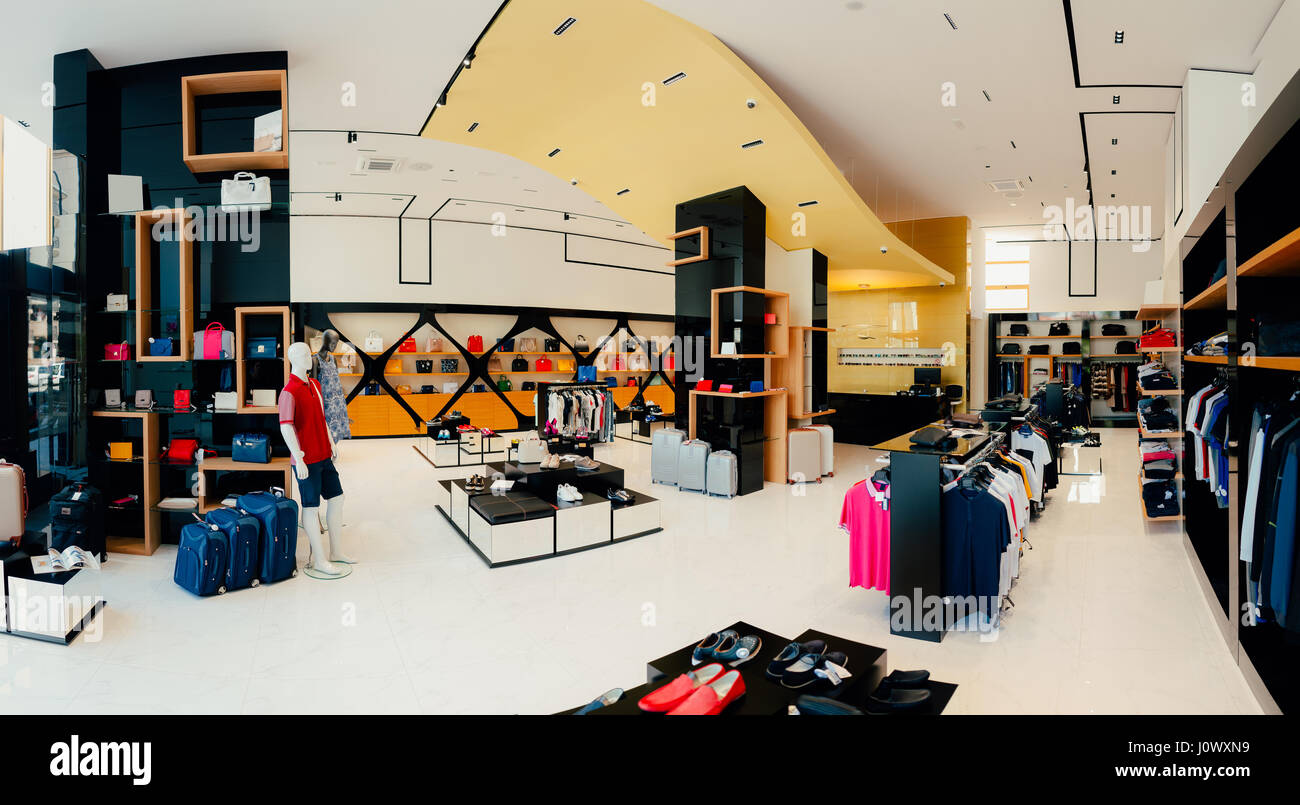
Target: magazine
{"points": [[69, 559]]}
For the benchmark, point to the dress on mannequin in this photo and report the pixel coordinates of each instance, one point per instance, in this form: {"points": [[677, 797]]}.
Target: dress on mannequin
{"points": [[327, 374]]}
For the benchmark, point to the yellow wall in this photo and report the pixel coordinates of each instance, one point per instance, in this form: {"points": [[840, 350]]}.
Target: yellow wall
{"points": [[906, 317]]}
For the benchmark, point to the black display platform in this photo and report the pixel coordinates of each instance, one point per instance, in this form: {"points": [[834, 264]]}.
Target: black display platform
{"points": [[867, 664], [543, 483]]}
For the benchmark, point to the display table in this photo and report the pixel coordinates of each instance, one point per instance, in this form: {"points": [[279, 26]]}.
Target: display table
{"points": [[633, 426], [54, 607], [866, 664]]}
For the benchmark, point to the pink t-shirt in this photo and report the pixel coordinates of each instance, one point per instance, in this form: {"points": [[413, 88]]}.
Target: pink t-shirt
{"points": [[866, 517]]}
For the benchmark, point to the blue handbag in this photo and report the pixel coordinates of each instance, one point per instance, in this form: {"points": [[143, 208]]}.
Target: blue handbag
{"points": [[586, 374], [756, 385], [261, 347], [161, 346], [611, 381], [254, 448]]}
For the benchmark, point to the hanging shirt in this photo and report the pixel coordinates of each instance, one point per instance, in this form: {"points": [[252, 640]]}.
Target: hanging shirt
{"points": [[865, 516]]}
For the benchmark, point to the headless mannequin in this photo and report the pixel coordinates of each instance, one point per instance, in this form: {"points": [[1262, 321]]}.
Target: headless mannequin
{"points": [[329, 342], [300, 360]]}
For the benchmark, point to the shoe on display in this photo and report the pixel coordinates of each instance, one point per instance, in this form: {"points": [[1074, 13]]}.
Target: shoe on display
{"points": [[804, 671], [905, 679], [712, 698], [661, 700], [569, 493], [704, 651], [790, 654], [587, 464], [821, 706], [619, 495], [735, 650], [898, 698], [603, 700]]}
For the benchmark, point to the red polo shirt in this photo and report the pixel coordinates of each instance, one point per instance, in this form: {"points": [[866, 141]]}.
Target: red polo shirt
{"points": [[301, 406]]}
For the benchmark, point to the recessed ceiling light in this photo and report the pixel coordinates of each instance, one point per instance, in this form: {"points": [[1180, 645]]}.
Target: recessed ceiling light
{"points": [[986, 95], [472, 126], [1114, 141], [674, 78], [564, 26], [751, 144], [1119, 37], [950, 22], [1112, 195], [812, 203], [1013, 204], [421, 166], [1112, 173], [624, 191], [1115, 99], [553, 152]]}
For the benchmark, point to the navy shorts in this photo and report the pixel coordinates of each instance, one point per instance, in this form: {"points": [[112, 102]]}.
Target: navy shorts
{"points": [[322, 481]]}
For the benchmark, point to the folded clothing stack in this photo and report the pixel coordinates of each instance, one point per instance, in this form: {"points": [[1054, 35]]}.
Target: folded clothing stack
{"points": [[1214, 345], [1160, 498], [1155, 376], [1156, 415], [1155, 450]]}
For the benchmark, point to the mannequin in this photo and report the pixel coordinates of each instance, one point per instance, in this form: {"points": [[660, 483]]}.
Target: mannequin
{"points": [[325, 370], [302, 424]]}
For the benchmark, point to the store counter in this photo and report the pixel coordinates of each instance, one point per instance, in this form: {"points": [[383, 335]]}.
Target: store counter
{"points": [[872, 418]]}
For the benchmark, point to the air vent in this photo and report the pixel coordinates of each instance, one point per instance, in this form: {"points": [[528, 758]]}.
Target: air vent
{"points": [[370, 164], [624, 191], [1006, 185], [564, 26], [1119, 37], [751, 144], [1114, 99], [812, 203], [472, 126], [673, 79]]}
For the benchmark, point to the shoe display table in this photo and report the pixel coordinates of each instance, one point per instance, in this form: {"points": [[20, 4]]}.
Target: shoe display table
{"points": [[635, 427], [763, 696], [533, 523]]}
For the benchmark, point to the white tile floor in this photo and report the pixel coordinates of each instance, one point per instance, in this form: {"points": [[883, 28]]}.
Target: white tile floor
{"points": [[1108, 618]]}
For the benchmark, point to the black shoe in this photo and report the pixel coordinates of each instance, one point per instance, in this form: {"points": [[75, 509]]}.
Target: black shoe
{"points": [[898, 699], [906, 679], [789, 655], [803, 672], [821, 706]]}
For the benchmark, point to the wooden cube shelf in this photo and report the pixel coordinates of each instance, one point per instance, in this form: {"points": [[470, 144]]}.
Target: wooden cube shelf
{"points": [[150, 486], [241, 334], [776, 336], [192, 86], [144, 301]]}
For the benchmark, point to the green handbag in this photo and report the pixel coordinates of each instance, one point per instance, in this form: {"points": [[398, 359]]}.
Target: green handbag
{"points": [[504, 384]]}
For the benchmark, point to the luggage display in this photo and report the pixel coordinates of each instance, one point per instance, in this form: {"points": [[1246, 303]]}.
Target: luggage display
{"points": [[278, 540], [692, 465], [828, 448], [723, 474], [201, 559], [77, 518], [13, 502], [804, 457], [242, 536], [664, 447]]}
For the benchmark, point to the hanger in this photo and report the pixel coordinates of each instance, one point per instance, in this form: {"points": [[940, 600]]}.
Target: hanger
{"points": [[881, 476]]}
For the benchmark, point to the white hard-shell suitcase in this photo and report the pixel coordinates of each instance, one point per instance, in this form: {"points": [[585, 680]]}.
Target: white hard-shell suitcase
{"points": [[664, 447], [828, 448], [804, 457], [723, 473], [13, 502], [692, 465]]}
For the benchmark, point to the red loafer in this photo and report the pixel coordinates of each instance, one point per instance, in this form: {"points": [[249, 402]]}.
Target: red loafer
{"points": [[712, 698], [661, 700]]}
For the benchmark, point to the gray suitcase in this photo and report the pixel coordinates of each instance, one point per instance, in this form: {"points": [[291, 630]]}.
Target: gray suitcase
{"points": [[664, 447], [692, 465], [828, 448], [804, 458], [722, 473]]}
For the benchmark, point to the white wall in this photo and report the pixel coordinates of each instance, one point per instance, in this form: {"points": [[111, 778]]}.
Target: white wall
{"points": [[791, 272], [1122, 275], [338, 259]]}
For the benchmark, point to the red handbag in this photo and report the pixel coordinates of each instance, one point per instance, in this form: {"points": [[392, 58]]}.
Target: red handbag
{"points": [[475, 343], [667, 362], [181, 451], [181, 399], [726, 388], [407, 346], [542, 365], [631, 381], [117, 352], [704, 385]]}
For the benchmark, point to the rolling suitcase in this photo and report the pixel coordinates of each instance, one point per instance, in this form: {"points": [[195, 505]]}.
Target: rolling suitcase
{"points": [[804, 458], [828, 448], [77, 518], [201, 559], [722, 473], [242, 534], [13, 502], [664, 447], [692, 465], [278, 548]]}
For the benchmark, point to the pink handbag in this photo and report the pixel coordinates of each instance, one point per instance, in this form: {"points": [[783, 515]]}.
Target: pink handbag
{"points": [[117, 352], [212, 340]]}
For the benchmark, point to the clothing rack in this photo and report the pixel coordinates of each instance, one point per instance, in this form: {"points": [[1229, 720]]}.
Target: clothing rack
{"points": [[545, 389]]}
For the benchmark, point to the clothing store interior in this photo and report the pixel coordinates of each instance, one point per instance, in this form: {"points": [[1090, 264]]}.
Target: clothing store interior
{"points": [[615, 357]]}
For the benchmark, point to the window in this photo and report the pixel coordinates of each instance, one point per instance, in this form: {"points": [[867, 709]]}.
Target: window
{"points": [[1006, 276]]}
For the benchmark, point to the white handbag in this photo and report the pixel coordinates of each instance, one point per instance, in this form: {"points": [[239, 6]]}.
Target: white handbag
{"points": [[450, 387], [116, 302], [374, 342], [264, 398], [246, 192], [112, 398], [531, 451], [225, 401]]}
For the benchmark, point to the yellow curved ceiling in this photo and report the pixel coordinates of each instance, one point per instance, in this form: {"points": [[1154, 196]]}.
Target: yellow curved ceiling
{"points": [[531, 91]]}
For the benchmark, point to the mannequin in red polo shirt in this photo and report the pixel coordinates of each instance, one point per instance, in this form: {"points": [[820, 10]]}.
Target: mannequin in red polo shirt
{"points": [[302, 423]]}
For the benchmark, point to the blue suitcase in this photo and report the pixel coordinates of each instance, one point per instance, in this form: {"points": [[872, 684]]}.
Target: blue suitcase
{"points": [[278, 549], [201, 559], [243, 533]]}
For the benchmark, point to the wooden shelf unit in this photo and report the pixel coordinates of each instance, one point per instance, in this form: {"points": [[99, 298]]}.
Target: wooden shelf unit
{"points": [[1155, 312], [1214, 296], [241, 380], [776, 337], [193, 86], [150, 486], [145, 222], [1280, 259], [280, 464], [791, 372], [775, 425]]}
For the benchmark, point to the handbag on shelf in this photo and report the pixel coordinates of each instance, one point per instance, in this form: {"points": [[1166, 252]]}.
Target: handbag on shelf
{"points": [[120, 451], [504, 384], [704, 385], [112, 398], [581, 344], [552, 345], [528, 344], [246, 191], [372, 389], [162, 347], [117, 303], [586, 374], [726, 388], [631, 381], [1009, 349], [374, 342], [181, 399], [253, 448], [450, 366], [1125, 348], [566, 366], [479, 388], [1114, 329], [475, 343], [542, 364], [144, 398], [117, 352], [1039, 349], [755, 385], [450, 387], [506, 345], [611, 382], [393, 367], [427, 388], [225, 401], [423, 366], [432, 344], [1019, 330], [1072, 348], [519, 364], [261, 347], [265, 398], [494, 364], [214, 342], [1059, 328], [404, 388], [180, 451], [528, 385], [407, 345]]}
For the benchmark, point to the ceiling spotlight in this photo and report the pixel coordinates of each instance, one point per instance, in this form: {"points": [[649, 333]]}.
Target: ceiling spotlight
{"points": [[986, 95], [812, 203], [673, 79], [468, 58], [624, 191], [1115, 99], [573, 181], [1013, 143], [1119, 37], [472, 126], [950, 22], [553, 152], [1112, 173], [564, 26], [751, 144]]}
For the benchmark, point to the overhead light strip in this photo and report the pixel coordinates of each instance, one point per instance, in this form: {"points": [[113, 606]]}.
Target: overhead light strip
{"points": [[554, 152], [673, 79], [948, 17], [564, 26], [812, 203], [751, 144]]}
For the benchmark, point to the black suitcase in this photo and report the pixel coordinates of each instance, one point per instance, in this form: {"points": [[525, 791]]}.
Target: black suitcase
{"points": [[77, 518]]}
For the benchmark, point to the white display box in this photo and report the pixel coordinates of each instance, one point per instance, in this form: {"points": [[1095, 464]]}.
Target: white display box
{"points": [[508, 542], [638, 518], [578, 525], [50, 606]]}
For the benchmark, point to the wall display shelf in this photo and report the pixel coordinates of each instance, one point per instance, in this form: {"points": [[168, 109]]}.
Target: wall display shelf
{"points": [[242, 315], [194, 86], [280, 465], [1288, 364], [1215, 296], [1281, 259], [1221, 360], [776, 337], [173, 220], [149, 489], [1155, 312]]}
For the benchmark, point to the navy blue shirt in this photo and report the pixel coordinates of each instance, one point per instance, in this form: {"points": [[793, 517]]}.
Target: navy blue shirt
{"points": [[975, 534]]}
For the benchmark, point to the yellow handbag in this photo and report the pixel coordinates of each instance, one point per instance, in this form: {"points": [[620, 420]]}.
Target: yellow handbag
{"points": [[394, 367], [120, 451], [403, 389], [565, 366]]}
